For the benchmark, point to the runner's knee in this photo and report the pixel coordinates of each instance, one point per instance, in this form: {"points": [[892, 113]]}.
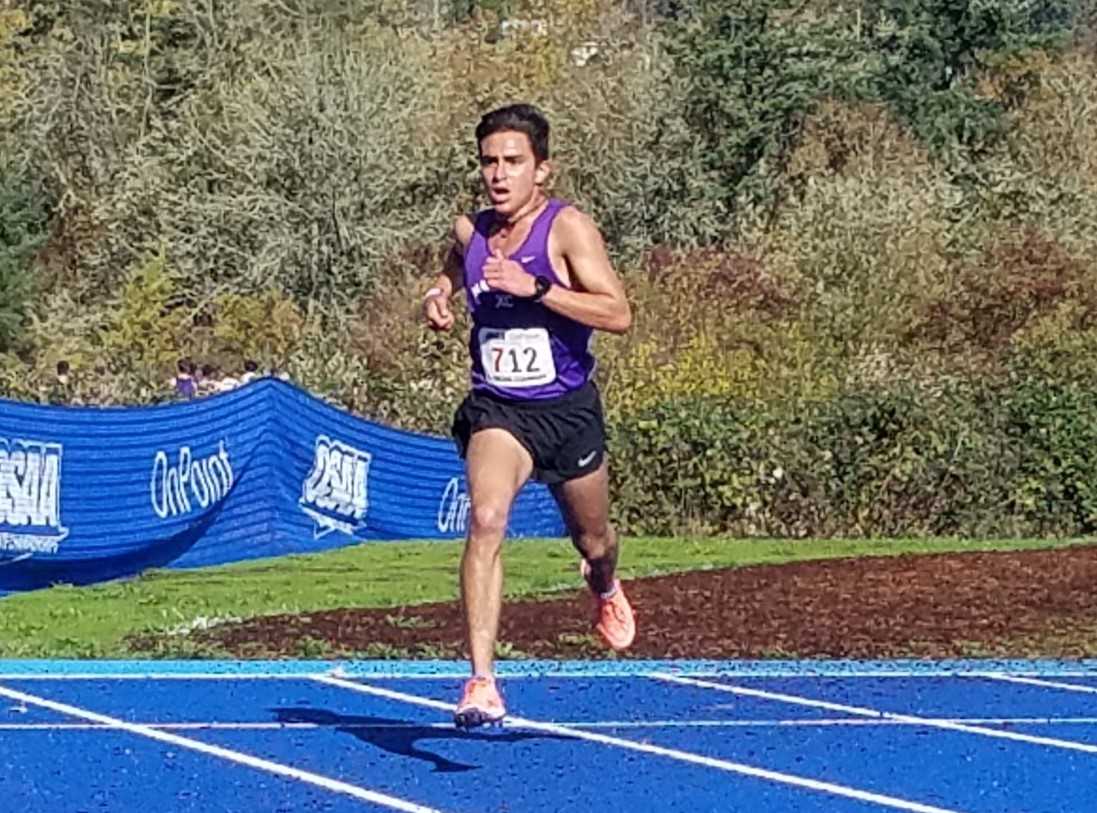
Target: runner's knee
{"points": [[596, 543], [488, 522]]}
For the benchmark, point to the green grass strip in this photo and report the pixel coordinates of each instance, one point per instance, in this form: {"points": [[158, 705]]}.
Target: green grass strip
{"points": [[92, 622]]}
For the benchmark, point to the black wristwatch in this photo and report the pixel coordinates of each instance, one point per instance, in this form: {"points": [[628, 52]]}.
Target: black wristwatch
{"points": [[541, 286]]}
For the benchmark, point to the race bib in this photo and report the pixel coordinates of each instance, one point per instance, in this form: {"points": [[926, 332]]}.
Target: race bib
{"points": [[517, 357]]}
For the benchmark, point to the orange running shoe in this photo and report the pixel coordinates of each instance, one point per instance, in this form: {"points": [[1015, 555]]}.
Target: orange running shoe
{"points": [[613, 617], [480, 704]]}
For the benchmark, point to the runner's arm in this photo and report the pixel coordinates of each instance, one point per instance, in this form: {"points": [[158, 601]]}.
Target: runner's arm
{"points": [[597, 295], [451, 278], [436, 309]]}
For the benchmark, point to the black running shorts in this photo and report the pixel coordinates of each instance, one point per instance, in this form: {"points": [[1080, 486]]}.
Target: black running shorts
{"points": [[565, 436]]}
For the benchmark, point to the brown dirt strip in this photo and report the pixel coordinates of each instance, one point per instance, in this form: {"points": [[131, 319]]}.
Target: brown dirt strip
{"points": [[1017, 604]]}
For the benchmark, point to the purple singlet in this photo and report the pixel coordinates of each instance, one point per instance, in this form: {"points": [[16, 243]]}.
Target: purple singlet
{"points": [[520, 349]]}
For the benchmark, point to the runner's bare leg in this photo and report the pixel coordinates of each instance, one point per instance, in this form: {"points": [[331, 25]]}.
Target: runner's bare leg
{"points": [[497, 466], [584, 503]]}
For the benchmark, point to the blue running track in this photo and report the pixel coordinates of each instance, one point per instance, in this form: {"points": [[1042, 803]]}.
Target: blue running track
{"points": [[674, 736]]}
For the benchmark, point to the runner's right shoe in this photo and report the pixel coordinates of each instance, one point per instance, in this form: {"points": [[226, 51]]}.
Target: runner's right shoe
{"points": [[480, 704]]}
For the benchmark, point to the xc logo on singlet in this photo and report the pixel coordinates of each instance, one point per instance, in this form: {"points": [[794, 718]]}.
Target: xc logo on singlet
{"points": [[502, 300]]}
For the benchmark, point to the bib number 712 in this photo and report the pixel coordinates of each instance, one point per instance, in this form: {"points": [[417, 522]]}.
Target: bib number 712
{"points": [[517, 357]]}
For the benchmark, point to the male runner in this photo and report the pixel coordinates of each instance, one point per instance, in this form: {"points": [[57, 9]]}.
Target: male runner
{"points": [[537, 283]]}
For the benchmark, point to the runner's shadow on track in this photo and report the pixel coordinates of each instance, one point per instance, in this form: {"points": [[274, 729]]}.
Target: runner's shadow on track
{"points": [[401, 737]]}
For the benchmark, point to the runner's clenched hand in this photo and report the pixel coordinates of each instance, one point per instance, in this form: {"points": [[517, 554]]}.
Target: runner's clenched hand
{"points": [[437, 311], [508, 276]]}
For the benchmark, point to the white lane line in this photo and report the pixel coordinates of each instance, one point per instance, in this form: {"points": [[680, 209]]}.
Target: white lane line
{"points": [[930, 722], [161, 676], [1046, 684], [158, 726], [854, 722], [238, 757], [655, 750]]}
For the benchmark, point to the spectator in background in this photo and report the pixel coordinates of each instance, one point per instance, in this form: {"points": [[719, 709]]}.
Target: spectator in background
{"points": [[184, 382], [213, 381], [207, 379], [60, 389], [251, 371], [224, 383]]}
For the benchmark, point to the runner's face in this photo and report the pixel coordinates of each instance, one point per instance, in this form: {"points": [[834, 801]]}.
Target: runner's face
{"points": [[510, 172]]}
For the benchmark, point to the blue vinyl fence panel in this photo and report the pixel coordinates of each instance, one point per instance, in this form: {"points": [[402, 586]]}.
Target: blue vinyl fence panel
{"points": [[89, 494]]}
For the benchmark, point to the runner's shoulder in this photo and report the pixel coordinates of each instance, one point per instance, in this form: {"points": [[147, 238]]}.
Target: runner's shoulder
{"points": [[573, 224], [462, 229]]}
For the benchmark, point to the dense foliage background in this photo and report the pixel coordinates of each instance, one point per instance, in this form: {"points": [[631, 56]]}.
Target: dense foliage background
{"points": [[859, 236]]}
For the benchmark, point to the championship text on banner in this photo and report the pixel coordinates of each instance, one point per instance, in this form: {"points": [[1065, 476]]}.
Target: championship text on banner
{"points": [[89, 494]]}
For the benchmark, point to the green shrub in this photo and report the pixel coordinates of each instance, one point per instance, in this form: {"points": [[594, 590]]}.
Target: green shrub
{"points": [[147, 323], [1053, 426], [928, 51], [687, 465], [960, 459], [755, 70], [23, 230]]}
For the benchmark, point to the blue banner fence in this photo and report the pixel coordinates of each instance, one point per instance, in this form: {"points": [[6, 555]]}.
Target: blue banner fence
{"points": [[94, 493]]}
